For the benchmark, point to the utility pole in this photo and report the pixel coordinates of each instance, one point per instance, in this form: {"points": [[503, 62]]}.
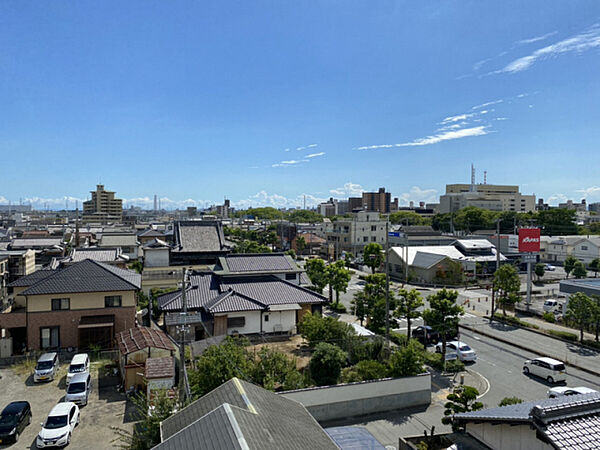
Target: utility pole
{"points": [[184, 386], [497, 267], [387, 284]]}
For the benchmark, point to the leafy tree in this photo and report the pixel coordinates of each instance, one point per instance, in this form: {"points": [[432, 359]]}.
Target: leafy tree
{"points": [[407, 361], [569, 264], [409, 217], [595, 267], [305, 216], [300, 244], [557, 221], [364, 370], [326, 364], [317, 273], [462, 399], [443, 315], [579, 271], [146, 433], [580, 309], [361, 306], [137, 266], [453, 273], [316, 329], [373, 256], [338, 278], [507, 286], [220, 363], [274, 370], [251, 247], [540, 269], [371, 303], [596, 314], [292, 253], [409, 303], [510, 401]]}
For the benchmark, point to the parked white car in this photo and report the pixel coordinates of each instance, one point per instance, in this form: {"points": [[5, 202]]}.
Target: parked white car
{"points": [[59, 425], [550, 369], [552, 305], [561, 391], [549, 268], [464, 352], [79, 364]]}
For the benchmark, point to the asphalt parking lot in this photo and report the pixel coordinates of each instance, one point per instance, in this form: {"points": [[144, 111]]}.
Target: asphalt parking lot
{"points": [[106, 408]]}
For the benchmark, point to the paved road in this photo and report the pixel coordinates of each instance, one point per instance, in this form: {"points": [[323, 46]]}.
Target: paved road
{"points": [[502, 365]]}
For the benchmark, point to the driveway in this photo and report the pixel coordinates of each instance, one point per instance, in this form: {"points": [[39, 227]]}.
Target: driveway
{"points": [[106, 408]]}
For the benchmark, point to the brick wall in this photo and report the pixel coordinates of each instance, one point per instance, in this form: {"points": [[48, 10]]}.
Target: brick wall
{"points": [[68, 321]]}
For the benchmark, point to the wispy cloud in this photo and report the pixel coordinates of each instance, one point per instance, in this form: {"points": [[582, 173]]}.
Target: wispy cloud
{"points": [[289, 162], [535, 39], [457, 118], [483, 105], [417, 194], [348, 190], [434, 139], [314, 155], [579, 43], [593, 191]]}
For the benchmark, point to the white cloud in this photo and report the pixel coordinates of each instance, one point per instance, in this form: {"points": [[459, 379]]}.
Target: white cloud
{"points": [[262, 198], [348, 190], [312, 145], [483, 105], [456, 118], [590, 192], [416, 194], [314, 155], [501, 118], [290, 162], [3, 200], [536, 38], [286, 150], [579, 43], [557, 198], [434, 139]]}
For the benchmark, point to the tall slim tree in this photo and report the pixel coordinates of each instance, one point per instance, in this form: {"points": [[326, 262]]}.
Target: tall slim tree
{"points": [[373, 256], [507, 285], [580, 309], [569, 264], [409, 303], [443, 315], [338, 277], [579, 270], [317, 273], [595, 267]]}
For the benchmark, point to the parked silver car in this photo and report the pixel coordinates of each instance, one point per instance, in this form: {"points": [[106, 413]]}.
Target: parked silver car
{"points": [[79, 388], [46, 367]]}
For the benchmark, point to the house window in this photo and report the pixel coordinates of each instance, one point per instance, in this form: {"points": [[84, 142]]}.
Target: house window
{"points": [[266, 317], [49, 337], [112, 301], [290, 276], [236, 322], [366, 239], [584, 247], [59, 304], [373, 227], [373, 238]]}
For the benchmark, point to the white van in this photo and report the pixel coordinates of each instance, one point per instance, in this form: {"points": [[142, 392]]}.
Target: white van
{"points": [[551, 305], [550, 369], [79, 364]]}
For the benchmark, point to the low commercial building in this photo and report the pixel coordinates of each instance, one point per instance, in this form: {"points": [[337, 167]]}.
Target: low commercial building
{"points": [[351, 235], [487, 196]]}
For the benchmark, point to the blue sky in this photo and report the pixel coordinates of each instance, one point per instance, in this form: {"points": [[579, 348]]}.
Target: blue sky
{"points": [[264, 102]]}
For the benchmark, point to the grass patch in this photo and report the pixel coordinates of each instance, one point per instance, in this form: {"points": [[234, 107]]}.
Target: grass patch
{"points": [[339, 308], [24, 368], [563, 335], [515, 321]]}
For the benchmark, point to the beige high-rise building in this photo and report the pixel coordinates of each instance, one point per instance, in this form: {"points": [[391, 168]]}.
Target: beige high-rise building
{"points": [[494, 197], [103, 207]]}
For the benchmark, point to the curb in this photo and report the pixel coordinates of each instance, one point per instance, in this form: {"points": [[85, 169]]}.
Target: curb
{"points": [[522, 347]]}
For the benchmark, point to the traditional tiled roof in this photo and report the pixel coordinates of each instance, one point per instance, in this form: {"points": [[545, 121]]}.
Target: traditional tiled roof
{"points": [[139, 338], [271, 290], [199, 236], [97, 254], [204, 288], [160, 367], [150, 233], [36, 243], [86, 276], [231, 301], [268, 262], [568, 422], [239, 415], [32, 278]]}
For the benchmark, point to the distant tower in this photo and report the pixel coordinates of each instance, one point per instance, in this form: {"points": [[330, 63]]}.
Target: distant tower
{"points": [[155, 203], [77, 226], [485, 177], [304, 201], [472, 178]]}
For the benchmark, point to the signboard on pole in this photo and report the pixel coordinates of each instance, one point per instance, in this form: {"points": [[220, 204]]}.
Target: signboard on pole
{"points": [[529, 240]]}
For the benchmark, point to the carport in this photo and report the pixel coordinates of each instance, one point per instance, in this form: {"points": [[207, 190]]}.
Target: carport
{"points": [[96, 330]]}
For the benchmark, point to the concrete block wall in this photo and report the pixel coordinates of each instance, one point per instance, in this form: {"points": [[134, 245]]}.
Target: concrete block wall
{"points": [[356, 399]]}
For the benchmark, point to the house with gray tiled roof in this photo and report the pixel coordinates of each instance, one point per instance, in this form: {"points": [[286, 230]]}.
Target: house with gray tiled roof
{"points": [[252, 264], [220, 304], [240, 415], [198, 242], [566, 423], [82, 304]]}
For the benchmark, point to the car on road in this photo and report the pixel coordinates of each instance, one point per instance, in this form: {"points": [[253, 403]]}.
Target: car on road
{"points": [[425, 335], [13, 420], [561, 391], [552, 370], [46, 367], [549, 268], [464, 352], [79, 389], [551, 305], [59, 425]]}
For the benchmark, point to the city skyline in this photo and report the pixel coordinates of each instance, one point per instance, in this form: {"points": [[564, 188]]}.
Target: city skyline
{"points": [[267, 103]]}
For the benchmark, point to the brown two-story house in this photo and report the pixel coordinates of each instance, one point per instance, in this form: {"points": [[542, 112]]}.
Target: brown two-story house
{"points": [[81, 305]]}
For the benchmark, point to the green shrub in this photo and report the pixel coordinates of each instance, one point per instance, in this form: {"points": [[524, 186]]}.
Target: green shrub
{"points": [[398, 338], [512, 320], [454, 366], [549, 317], [434, 360], [407, 361], [510, 401], [326, 364], [591, 343], [338, 308], [563, 335], [364, 371]]}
